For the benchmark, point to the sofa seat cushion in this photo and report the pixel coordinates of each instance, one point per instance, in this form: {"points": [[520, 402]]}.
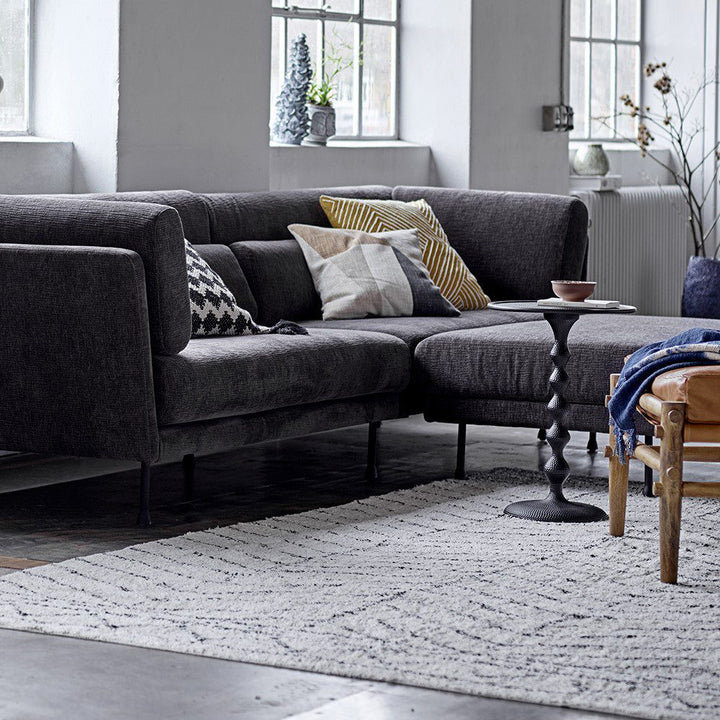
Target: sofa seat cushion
{"points": [[414, 329], [698, 387], [226, 376], [512, 362]]}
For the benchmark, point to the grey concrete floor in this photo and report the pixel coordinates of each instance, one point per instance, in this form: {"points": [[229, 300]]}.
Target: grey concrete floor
{"points": [[53, 509]]}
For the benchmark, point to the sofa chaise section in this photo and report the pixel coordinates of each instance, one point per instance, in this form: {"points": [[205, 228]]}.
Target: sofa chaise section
{"points": [[499, 375]]}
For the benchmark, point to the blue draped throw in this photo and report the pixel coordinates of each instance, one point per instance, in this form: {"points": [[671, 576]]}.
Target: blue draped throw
{"points": [[692, 347]]}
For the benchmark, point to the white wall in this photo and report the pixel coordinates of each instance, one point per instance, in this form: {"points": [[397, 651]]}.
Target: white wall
{"points": [[435, 82], [474, 77], [31, 165], [515, 71], [348, 163], [76, 85], [194, 94]]}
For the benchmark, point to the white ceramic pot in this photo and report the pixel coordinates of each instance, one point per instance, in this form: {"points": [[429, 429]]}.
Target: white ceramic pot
{"points": [[591, 160], [322, 124]]}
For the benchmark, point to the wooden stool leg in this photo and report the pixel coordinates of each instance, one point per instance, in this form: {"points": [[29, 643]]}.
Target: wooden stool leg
{"points": [[618, 486], [672, 419]]}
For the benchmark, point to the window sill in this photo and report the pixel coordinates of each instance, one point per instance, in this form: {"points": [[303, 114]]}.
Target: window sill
{"points": [[608, 146], [29, 140], [352, 145], [31, 164]]}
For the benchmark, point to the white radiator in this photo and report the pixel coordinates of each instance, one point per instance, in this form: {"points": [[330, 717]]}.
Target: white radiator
{"points": [[638, 247]]}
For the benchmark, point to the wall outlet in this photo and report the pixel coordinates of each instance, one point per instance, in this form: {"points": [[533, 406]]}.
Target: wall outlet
{"points": [[557, 118]]}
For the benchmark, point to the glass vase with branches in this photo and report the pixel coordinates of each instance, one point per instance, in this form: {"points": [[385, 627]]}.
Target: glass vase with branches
{"points": [[673, 123]]}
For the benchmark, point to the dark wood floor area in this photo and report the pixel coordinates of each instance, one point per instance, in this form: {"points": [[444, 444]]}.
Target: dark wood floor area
{"points": [[53, 509]]}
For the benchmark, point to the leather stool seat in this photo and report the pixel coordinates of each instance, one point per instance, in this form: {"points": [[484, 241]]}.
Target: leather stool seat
{"points": [[698, 387]]}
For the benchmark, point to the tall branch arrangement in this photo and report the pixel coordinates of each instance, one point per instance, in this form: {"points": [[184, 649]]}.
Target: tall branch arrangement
{"points": [[673, 123]]}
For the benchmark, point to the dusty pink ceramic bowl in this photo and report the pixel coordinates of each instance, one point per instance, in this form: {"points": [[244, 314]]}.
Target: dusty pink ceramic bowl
{"points": [[573, 290]]}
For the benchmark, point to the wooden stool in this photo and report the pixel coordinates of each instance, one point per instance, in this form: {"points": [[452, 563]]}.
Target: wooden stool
{"points": [[684, 407]]}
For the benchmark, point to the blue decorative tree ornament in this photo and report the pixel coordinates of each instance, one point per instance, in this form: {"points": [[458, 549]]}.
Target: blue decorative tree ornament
{"points": [[291, 115]]}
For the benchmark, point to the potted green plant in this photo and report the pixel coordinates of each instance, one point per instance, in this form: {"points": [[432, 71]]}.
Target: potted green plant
{"points": [[322, 92], [673, 123]]}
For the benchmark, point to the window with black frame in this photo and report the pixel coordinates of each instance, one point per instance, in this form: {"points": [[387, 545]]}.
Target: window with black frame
{"points": [[355, 42], [14, 66], [605, 62]]}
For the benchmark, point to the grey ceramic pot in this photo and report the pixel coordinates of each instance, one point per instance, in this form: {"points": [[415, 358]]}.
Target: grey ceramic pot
{"points": [[591, 160], [322, 124]]}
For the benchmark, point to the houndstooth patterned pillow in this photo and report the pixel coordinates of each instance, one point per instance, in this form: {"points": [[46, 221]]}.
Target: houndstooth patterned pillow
{"points": [[213, 306]]}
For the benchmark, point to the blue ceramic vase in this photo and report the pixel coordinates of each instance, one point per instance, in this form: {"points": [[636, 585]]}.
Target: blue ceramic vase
{"points": [[701, 294]]}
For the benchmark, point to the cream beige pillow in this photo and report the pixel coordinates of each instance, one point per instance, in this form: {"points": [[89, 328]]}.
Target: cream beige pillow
{"points": [[359, 274]]}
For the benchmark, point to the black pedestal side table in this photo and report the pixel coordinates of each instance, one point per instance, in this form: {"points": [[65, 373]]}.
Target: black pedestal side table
{"points": [[555, 507]]}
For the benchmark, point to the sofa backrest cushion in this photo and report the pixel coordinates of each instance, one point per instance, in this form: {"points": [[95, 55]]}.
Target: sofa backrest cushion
{"points": [[191, 208], [514, 243], [279, 280], [152, 231], [236, 217], [222, 260]]}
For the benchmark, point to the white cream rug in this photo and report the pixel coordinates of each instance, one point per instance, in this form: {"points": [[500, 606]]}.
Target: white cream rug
{"points": [[432, 586]]}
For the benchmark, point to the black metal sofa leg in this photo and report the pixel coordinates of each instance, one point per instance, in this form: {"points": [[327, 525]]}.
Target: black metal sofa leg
{"points": [[371, 469], [460, 473], [648, 484], [542, 436], [144, 514], [188, 463], [592, 446]]}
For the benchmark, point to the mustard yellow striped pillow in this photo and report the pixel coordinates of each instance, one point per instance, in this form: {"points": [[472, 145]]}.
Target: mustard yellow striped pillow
{"points": [[447, 269]]}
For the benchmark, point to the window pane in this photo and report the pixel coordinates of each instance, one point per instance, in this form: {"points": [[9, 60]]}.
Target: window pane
{"points": [[344, 6], [603, 18], [628, 81], [579, 53], [380, 9], [603, 87], [312, 29], [580, 18], [628, 24], [341, 51], [277, 67], [379, 81], [278, 3], [13, 62]]}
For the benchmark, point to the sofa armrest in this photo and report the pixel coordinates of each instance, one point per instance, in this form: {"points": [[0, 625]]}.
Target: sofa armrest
{"points": [[76, 362], [154, 232], [514, 243]]}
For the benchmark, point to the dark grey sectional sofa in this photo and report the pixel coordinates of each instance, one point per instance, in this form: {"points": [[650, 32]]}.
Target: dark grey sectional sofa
{"points": [[98, 360]]}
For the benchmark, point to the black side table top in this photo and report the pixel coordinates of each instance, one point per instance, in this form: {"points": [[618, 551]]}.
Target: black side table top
{"points": [[532, 306]]}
